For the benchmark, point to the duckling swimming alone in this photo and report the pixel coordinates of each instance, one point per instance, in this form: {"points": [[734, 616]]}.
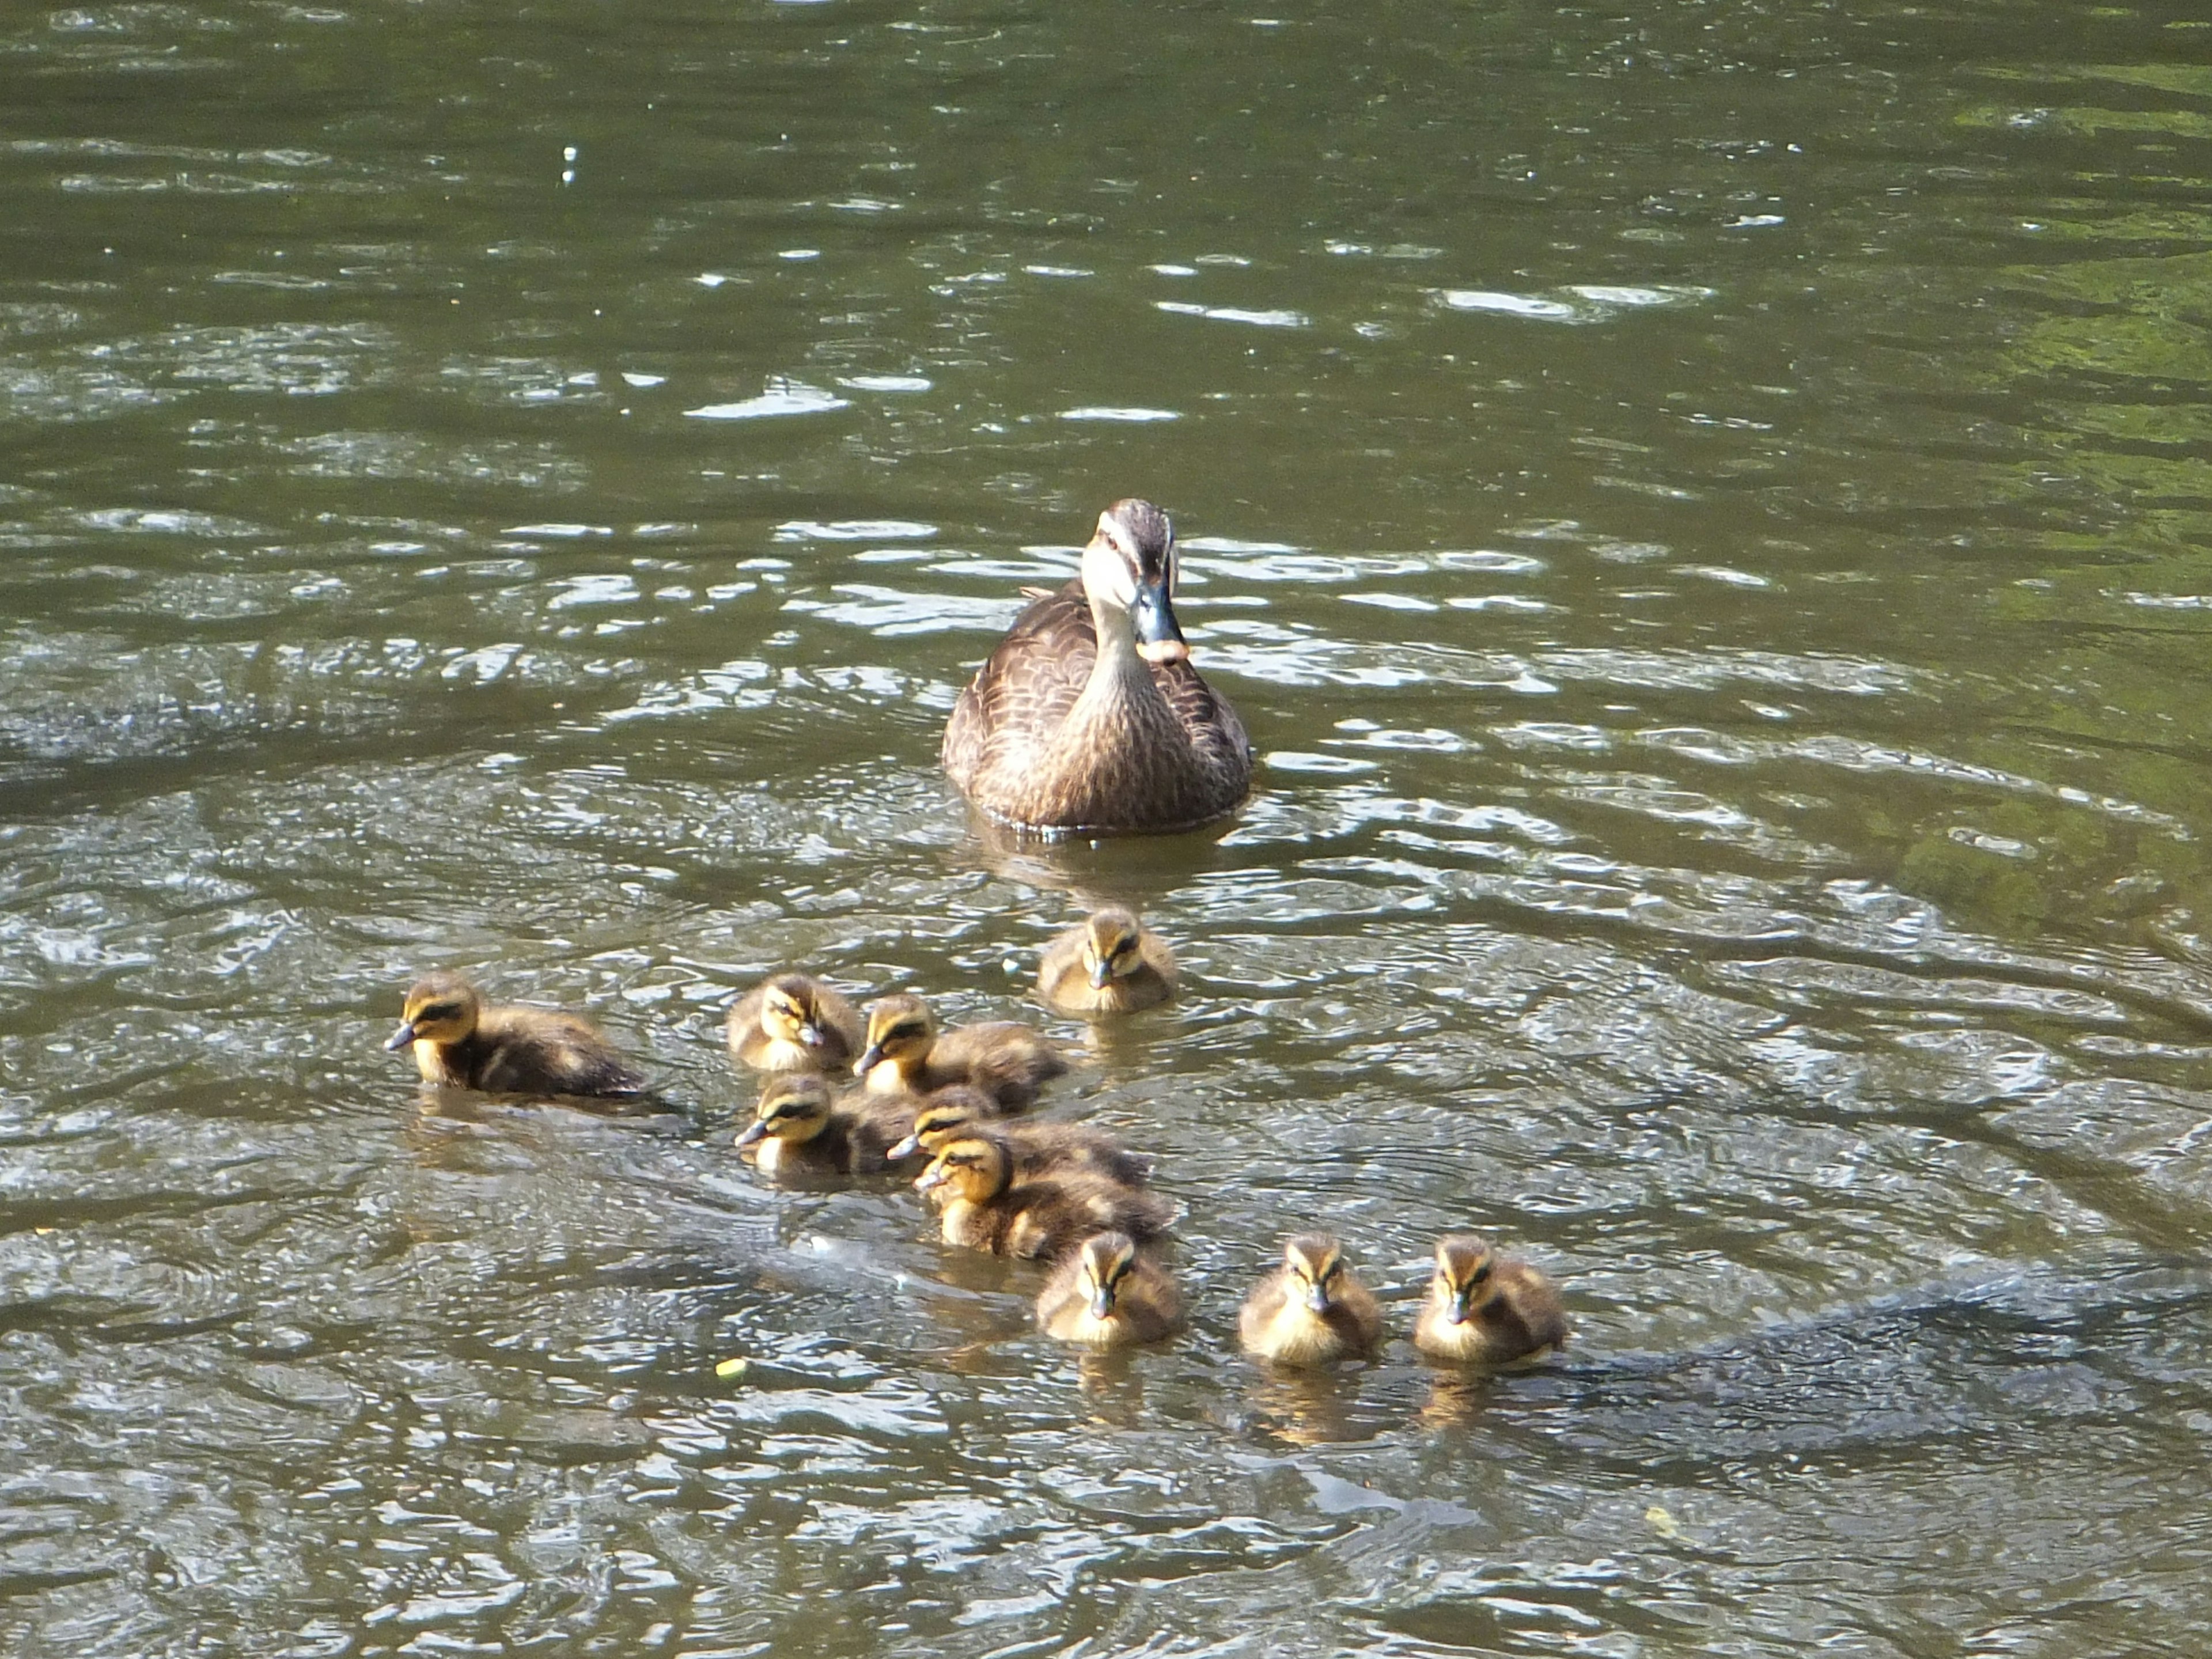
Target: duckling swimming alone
{"points": [[462, 1044], [906, 1055], [1487, 1309], [1310, 1309], [1038, 1148], [972, 1179], [799, 1130], [1109, 1295], [1088, 716], [795, 1022], [1112, 965]]}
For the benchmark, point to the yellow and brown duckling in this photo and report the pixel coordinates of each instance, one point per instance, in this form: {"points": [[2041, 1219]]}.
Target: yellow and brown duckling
{"points": [[1312, 1308], [1038, 1148], [1109, 1295], [1484, 1309], [1112, 965], [797, 1129], [795, 1022], [907, 1055], [984, 1208], [461, 1043]]}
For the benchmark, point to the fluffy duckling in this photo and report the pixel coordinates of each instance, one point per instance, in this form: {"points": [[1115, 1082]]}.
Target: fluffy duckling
{"points": [[462, 1044], [905, 1055], [1487, 1309], [1107, 1295], [1112, 965], [1311, 1309], [799, 1130], [1038, 1148], [985, 1208], [794, 1023]]}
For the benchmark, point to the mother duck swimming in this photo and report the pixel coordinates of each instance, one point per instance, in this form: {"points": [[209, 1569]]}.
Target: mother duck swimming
{"points": [[1089, 718]]}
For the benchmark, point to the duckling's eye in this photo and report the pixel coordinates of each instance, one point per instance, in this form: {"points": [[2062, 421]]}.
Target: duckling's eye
{"points": [[1480, 1275], [1331, 1270], [441, 1011], [902, 1033]]}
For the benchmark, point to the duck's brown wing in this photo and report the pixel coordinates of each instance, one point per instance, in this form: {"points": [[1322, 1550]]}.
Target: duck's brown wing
{"points": [[1207, 719], [1024, 689]]}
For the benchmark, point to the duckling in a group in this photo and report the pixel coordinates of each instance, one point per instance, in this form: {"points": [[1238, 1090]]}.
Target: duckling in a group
{"points": [[985, 1208], [1484, 1309], [1112, 965], [795, 1022], [1038, 1148], [1109, 1295], [1312, 1308], [461, 1043], [799, 1130], [907, 1055]]}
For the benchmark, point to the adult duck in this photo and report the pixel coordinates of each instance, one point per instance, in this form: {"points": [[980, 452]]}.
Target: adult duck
{"points": [[1089, 718]]}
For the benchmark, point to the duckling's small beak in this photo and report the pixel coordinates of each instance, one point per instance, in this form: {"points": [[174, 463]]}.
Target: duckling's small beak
{"points": [[810, 1035], [932, 1177], [400, 1039], [756, 1132], [1317, 1299], [1101, 971], [1102, 1301], [906, 1148], [1158, 638], [1461, 1307], [869, 1061]]}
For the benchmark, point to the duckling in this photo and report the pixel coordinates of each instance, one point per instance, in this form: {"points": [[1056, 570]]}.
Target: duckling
{"points": [[1088, 717], [1311, 1309], [1038, 1148], [795, 1022], [905, 1055], [1107, 1295], [1112, 965], [972, 1180], [462, 1044], [1484, 1309], [799, 1130]]}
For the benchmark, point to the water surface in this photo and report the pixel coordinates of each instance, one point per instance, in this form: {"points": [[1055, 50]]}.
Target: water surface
{"points": [[1704, 514]]}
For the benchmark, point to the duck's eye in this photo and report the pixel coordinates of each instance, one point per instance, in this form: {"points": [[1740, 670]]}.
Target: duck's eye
{"points": [[1480, 1275], [441, 1011], [1331, 1270]]}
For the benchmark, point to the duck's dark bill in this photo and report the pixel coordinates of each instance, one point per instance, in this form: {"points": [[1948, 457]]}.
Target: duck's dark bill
{"points": [[400, 1039], [1158, 637]]}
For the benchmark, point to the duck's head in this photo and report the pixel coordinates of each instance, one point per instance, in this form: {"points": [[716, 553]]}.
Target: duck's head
{"points": [[790, 1012], [899, 1029], [943, 1116], [1314, 1261], [1111, 941], [1101, 1263], [977, 1168], [440, 1008], [790, 1109], [1130, 565], [1465, 1266]]}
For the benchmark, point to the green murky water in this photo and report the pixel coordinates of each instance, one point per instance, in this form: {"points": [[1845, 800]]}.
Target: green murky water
{"points": [[1704, 510]]}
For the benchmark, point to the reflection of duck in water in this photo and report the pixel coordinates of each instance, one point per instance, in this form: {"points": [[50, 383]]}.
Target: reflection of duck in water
{"points": [[461, 1043], [1088, 716], [1487, 1309], [1109, 1295], [794, 1023], [799, 1130], [1312, 1308], [1112, 965], [907, 1055]]}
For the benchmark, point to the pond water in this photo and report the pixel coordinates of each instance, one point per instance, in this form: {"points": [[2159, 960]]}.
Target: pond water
{"points": [[1705, 513]]}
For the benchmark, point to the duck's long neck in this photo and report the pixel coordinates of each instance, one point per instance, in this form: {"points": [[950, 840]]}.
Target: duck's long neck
{"points": [[1117, 668]]}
